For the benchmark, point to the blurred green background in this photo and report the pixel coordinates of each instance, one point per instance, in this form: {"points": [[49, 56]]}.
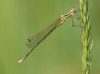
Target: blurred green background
{"points": [[60, 53]]}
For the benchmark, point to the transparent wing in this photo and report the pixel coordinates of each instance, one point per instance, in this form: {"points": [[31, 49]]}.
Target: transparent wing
{"points": [[39, 37]]}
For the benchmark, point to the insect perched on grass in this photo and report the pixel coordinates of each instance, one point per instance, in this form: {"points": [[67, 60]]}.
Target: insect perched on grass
{"points": [[39, 37]]}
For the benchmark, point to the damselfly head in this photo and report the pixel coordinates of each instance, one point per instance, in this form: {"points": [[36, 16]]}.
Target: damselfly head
{"points": [[72, 11]]}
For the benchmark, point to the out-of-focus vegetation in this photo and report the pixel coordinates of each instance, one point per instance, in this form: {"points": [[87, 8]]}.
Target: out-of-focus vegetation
{"points": [[60, 53]]}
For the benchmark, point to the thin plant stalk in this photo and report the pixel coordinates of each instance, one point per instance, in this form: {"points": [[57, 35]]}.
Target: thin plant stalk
{"points": [[86, 37]]}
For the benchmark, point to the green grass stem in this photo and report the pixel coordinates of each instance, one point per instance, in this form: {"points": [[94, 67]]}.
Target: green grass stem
{"points": [[86, 42]]}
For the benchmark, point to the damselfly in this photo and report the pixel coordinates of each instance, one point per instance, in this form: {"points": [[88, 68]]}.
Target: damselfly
{"points": [[39, 37]]}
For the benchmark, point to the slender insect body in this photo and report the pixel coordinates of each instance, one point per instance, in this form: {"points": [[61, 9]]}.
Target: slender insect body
{"points": [[39, 37]]}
